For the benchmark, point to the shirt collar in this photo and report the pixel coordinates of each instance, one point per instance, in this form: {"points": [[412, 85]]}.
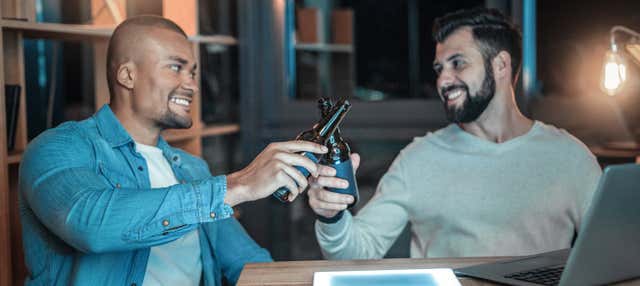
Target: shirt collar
{"points": [[114, 133], [110, 128]]}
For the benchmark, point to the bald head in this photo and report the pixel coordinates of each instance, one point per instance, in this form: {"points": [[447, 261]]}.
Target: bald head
{"points": [[128, 37]]}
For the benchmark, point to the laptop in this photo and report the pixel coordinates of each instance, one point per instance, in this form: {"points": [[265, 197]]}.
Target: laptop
{"points": [[606, 250]]}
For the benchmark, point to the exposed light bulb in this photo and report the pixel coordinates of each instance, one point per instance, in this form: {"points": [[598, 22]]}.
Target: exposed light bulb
{"points": [[613, 72]]}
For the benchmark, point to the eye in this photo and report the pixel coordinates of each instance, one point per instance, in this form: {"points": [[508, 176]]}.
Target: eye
{"points": [[458, 64], [175, 67]]}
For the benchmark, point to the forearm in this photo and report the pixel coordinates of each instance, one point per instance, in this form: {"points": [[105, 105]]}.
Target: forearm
{"points": [[93, 217], [348, 239]]}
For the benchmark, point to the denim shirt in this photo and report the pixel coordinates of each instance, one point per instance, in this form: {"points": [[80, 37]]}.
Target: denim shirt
{"points": [[89, 215]]}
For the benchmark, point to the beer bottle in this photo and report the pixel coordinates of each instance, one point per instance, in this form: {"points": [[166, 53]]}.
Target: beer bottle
{"points": [[319, 134], [338, 157]]}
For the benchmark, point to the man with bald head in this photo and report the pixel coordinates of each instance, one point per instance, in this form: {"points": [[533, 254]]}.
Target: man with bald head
{"points": [[106, 201]]}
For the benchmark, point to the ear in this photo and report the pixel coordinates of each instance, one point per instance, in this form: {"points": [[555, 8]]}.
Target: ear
{"points": [[126, 74], [501, 64]]}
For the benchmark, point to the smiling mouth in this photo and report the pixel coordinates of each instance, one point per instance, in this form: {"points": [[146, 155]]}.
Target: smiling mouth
{"points": [[182, 101], [453, 95]]}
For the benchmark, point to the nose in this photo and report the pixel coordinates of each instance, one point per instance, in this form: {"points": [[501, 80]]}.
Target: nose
{"points": [[189, 83], [446, 78]]}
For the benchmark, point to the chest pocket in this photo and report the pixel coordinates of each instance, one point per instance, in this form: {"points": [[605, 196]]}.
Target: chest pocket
{"points": [[117, 178]]}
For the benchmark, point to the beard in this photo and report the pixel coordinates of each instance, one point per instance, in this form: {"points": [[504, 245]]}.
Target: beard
{"points": [[473, 106], [171, 120]]}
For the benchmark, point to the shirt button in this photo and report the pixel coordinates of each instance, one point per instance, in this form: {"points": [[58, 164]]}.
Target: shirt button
{"points": [[140, 168], [134, 284], [118, 186], [212, 215], [165, 222], [175, 158]]}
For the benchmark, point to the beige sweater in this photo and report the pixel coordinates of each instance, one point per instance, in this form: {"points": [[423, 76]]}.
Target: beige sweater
{"points": [[466, 196]]}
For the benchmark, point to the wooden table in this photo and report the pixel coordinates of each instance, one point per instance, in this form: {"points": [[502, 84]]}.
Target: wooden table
{"points": [[301, 272], [292, 273]]}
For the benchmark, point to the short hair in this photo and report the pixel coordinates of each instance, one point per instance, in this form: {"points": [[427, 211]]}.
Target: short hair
{"points": [[490, 29], [120, 31]]}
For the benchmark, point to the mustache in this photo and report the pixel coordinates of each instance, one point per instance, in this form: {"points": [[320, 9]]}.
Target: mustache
{"points": [[446, 89], [183, 93]]}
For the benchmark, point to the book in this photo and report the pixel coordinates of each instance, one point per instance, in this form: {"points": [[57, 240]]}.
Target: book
{"points": [[342, 26], [309, 26], [12, 108]]}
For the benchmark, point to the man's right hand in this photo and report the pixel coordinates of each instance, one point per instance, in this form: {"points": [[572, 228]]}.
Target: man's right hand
{"points": [[274, 168], [327, 203]]}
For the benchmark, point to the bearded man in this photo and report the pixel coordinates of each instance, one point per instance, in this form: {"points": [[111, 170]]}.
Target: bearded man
{"points": [[492, 183]]}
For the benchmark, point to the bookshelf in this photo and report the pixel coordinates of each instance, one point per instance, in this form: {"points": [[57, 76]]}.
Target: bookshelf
{"points": [[18, 23], [323, 50], [329, 48]]}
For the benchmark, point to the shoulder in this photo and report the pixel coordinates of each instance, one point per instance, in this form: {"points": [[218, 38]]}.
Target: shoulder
{"points": [[68, 137], [65, 146], [568, 150], [560, 140], [432, 141]]}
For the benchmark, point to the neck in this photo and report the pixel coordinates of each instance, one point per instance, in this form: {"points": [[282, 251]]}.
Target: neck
{"points": [[501, 121], [141, 130]]}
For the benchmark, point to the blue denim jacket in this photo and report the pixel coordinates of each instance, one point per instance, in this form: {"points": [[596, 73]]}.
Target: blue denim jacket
{"points": [[89, 215]]}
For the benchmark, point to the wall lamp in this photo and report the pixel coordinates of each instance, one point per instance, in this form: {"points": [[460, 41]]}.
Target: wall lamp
{"points": [[614, 71]]}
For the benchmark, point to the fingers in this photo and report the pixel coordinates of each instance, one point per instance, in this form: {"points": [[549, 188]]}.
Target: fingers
{"points": [[327, 203], [300, 146], [290, 184], [332, 182], [293, 159], [300, 180], [326, 171], [325, 206], [329, 197], [323, 196]]}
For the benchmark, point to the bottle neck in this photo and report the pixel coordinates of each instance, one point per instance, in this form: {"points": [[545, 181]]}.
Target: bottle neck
{"points": [[329, 124]]}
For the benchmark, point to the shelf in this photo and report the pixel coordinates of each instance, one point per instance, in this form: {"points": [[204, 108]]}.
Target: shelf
{"points": [[81, 32], [14, 157], [330, 48], [220, 129], [205, 131], [55, 30], [214, 39]]}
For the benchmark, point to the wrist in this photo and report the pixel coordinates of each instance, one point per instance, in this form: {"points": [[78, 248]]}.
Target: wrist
{"points": [[330, 220], [236, 191]]}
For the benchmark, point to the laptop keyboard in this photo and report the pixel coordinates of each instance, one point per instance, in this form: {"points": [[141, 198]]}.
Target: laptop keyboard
{"points": [[543, 276]]}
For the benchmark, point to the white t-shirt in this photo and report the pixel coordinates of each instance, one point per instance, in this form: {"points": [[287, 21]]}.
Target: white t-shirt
{"points": [[177, 262], [466, 196]]}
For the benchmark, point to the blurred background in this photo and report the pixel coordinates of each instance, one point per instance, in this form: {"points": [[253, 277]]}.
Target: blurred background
{"points": [[377, 53]]}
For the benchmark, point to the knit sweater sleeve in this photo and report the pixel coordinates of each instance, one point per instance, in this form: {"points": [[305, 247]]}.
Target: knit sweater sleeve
{"points": [[370, 233]]}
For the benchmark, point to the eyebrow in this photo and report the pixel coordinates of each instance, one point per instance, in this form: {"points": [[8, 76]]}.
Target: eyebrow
{"points": [[183, 61], [179, 59], [450, 58]]}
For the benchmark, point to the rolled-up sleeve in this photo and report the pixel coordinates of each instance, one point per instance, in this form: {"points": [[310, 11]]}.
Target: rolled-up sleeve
{"points": [[60, 184]]}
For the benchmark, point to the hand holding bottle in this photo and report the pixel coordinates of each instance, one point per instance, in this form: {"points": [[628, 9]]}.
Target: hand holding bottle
{"points": [[326, 203], [274, 168]]}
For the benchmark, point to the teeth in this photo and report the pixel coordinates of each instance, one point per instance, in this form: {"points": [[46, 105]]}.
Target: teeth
{"points": [[454, 95], [180, 101]]}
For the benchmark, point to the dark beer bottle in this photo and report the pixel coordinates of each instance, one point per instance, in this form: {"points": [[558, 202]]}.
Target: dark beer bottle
{"points": [[319, 134], [339, 157]]}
